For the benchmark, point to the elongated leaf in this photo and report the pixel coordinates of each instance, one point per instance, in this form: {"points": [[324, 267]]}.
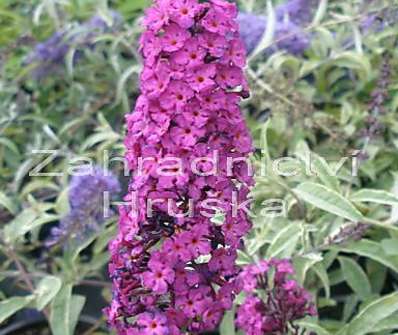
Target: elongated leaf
{"points": [[325, 172], [19, 224], [367, 320], [390, 246], [355, 61], [10, 145], [46, 290], [377, 196], [321, 11], [303, 263], [284, 243], [60, 318], [319, 269], [26, 221], [356, 278], [313, 326], [387, 324], [7, 203], [227, 326], [394, 190], [76, 307], [38, 185], [11, 306], [269, 32], [373, 250], [123, 80], [100, 137], [330, 201]]}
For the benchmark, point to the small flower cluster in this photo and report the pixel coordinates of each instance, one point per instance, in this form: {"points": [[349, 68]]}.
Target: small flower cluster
{"points": [[376, 23], [273, 300], [49, 55], [86, 200], [174, 274], [379, 97], [289, 34]]}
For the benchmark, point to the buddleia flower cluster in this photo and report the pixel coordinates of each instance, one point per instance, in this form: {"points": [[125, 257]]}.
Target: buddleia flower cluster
{"points": [[291, 17], [48, 56], [377, 106], [88, 189], [375, 23], [274, 300], [173, 272]]}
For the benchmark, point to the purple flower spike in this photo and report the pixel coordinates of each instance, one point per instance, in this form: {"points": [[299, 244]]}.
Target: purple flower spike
{"points": [[173, 269], [291, 17], [86, 200], [49, 56]]}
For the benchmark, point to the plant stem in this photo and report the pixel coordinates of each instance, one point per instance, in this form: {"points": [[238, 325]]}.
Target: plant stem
{"points": [[24, 275]]}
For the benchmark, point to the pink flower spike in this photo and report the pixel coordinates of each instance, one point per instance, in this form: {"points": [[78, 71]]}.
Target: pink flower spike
{"points": [[173, 270]]}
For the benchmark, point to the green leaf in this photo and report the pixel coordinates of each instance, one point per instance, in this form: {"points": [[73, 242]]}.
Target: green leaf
{"points": [[284, 243], [73, 254], [376, 196], [60, 318], [77, 304], [126, 7], [325, 173], [100, 137], [10, 145], [394, 190], [303, 263], [373, 250], [370, 316], [387, 324], [46, 290], [390, 246], [330, 201], [319, 269], [38, 185], [11, 306], [227, 326], [8, 203], [355, 61], [321, 12], [65, 311], [268, 34], [28, 220], [377, 274], [356, 278], [120, 89], [19, 225], [313, 326]]}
